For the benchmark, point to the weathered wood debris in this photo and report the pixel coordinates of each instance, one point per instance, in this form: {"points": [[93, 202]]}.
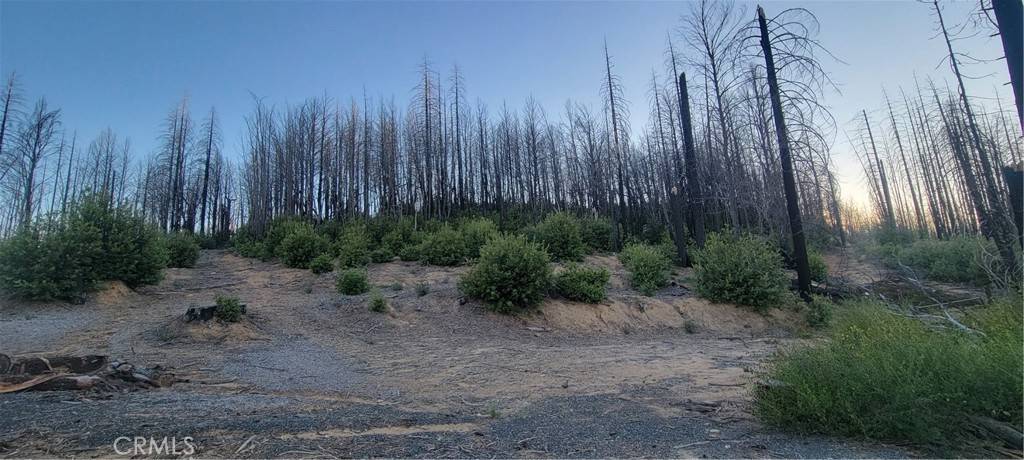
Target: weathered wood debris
{"points": [[77, 373]]}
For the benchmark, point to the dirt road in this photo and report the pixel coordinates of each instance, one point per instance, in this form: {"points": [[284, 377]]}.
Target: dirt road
{"points": [[314, 373]]}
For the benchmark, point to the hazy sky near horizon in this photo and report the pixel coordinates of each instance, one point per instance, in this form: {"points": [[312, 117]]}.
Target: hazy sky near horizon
{"points": [[124, 65]]}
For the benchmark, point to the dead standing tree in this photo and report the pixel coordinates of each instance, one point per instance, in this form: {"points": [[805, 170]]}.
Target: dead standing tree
{"points": [[616, 109], [35, 142], [1010, 22], [1000, 226], [796, 52], [696, 202]]}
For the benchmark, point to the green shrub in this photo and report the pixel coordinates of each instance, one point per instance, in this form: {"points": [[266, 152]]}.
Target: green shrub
{"points": [[889, 377], [955, 260], [228, 309], [353, 247], [330, 229], [353, 282], [93, 242], [597, 233], [377, 303], [57, 265], [381, 255], [559, 233], [511, 275], [444, 247], [476, 233], [746, 271], [667, 247], [649, 267], [279, 228], [893, 236], [301, 246], [245, 243], [818, 312], [422, 289], [182, 250], [400, 235], [410, 253], [322, 263], [819, 271], [584, 284], [132, 250]]}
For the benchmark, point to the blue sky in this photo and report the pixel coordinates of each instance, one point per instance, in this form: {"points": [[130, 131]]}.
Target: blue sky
{"points": [[125, 64]]}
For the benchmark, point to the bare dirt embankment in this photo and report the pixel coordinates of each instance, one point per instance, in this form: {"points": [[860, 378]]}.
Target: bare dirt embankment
{"points": [[312, 373]]}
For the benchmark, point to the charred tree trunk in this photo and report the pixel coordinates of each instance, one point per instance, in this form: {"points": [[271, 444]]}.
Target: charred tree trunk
{"points": [[789, 183], [694, 192], [1010, 18], [890, 215]]}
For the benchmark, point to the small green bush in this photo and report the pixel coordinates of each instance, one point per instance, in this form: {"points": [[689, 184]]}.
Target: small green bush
{"points": [[132, 250], [422, 289], [353, 282], [301, 246], [746, 271], [667, 247], [400, 235], [279, 228], [93, 242], [43, 266], [476, 233], [410, 253], [353, 247], [597, 233], [444, 247], [818, 312], [559, 233], [322, 263], [182, 250], [228, 309], [893, 236], [381, 255], [585, 284], [893, 378], [330, 229], [245, 243], [955, 260], [511, 275], [819, 270], [377, 303], [649, 267]]}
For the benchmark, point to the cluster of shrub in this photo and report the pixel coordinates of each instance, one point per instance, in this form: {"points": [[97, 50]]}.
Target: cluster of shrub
{"points": [[300, 244], [959, 259], [93, 242], [887, 376], [512, 270]]}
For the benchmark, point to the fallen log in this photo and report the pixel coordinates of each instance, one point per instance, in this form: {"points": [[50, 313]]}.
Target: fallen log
{"points": [[1004, 432], [11, 387], [77, 373]]}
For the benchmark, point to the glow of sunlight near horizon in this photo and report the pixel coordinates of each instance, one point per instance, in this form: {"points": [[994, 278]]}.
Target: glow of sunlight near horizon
{"points": [[124, 65]]}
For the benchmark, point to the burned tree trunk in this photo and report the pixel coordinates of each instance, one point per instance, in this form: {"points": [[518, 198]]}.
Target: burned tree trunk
{"points": [[1010, 18], [696, 201], [789, 183], [890, 215]]}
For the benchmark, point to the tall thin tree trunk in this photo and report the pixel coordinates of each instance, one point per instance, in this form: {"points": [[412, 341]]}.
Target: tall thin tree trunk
{"points": [[789, 183], [695, 193]]}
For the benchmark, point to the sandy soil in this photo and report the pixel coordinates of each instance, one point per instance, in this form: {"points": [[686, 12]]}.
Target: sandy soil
{"points": [[313, 373]]}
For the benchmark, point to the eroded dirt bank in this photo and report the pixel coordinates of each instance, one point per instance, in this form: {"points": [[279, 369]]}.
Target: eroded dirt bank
{"points": [[314, 373]]}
